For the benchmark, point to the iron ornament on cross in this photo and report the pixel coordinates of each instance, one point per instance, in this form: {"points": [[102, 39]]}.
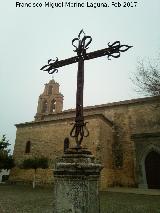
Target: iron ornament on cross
{"points": [[81, 44]]}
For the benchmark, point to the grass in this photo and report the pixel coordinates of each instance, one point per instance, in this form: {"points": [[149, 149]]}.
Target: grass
{"points": [[23, 199], [112, 202]]}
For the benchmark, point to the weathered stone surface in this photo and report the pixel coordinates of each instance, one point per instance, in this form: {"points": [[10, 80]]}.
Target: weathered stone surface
{"points": [[76, 179]]}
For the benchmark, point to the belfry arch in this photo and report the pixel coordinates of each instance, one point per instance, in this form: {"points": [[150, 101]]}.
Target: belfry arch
{"points": [[45, 106], [53, 106]]}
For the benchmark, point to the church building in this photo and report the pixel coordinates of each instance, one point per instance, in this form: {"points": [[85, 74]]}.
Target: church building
{"points": [[124, 137]]}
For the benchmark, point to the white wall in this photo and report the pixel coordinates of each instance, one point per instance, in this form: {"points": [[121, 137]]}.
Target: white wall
{"points": [[4, 172]]}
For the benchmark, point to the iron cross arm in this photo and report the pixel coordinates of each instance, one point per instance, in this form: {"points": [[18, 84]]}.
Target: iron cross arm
{"points": [[113, 50]]}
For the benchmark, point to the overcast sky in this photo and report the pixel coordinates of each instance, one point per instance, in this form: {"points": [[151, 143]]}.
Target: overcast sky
{"points": [[30, 36]]}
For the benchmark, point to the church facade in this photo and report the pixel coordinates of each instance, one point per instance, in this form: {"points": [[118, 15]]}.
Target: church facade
{"points": [[124, 137]]}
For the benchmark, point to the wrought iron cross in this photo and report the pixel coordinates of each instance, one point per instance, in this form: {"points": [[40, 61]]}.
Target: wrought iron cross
{"points": [[81, 44]]}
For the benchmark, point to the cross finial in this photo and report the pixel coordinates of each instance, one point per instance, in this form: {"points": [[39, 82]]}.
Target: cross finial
{"points": [[81, 43]]}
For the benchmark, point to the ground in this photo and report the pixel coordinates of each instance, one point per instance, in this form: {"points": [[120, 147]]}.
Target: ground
{"points": [[23, 199]]}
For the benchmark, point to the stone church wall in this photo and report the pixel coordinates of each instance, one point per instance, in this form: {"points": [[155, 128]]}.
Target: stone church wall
{"points": [[113, 131], [47, 139]]}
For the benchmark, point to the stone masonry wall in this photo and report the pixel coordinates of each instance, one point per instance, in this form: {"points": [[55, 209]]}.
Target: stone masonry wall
{"points": [[111, 127], [47, 140]]}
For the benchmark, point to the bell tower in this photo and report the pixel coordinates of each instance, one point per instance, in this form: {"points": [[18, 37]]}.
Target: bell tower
{"points": [[50, 101]]}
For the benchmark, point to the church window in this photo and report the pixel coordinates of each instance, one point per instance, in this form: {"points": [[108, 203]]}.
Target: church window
{"points": [[66, 144], [45, 106], [28, 147]]}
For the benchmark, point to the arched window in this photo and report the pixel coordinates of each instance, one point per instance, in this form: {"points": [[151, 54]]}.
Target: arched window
{"points": [[45, 106], [28, 147], [53, 106], [66, 144]]}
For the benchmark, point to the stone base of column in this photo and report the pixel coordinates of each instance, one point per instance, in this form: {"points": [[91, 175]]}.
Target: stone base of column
{"points": [[76, 178]]}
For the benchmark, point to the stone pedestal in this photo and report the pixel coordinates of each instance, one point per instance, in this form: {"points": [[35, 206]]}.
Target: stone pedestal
{"points": [[76, 177]]}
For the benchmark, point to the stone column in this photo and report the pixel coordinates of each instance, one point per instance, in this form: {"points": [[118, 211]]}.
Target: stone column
{"points": [[76, 177]]}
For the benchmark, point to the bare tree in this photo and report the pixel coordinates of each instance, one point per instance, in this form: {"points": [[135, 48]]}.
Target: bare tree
{"points": [[147, 77]]}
